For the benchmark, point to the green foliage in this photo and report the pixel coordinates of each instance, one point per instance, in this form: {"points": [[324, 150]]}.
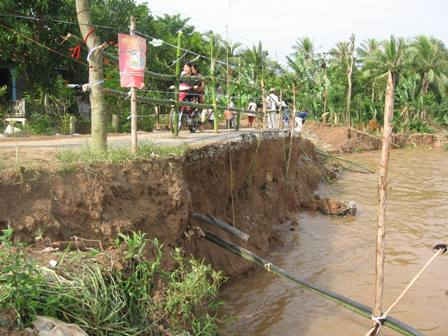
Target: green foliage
{"points": [[138, 298], [41, 124], [20, 281], [419, 67], [420, 126], [119, 155]]}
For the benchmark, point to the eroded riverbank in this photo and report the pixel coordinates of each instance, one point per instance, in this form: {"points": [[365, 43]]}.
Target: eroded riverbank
{"points": [[338, 253]]}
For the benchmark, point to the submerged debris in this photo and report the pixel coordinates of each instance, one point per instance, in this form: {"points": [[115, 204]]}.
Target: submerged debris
{"points": [[332, 207]]}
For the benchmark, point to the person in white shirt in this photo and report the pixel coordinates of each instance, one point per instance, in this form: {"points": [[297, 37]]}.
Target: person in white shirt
{"points": [[252, 113], [272, 105]]}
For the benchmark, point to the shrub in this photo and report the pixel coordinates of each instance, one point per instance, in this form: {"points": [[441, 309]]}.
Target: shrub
{"points": [[41, 124], [138, 299]]}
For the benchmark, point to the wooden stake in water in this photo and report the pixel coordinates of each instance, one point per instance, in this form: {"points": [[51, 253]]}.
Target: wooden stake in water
{"points": [[382, 193], [133, 103]]}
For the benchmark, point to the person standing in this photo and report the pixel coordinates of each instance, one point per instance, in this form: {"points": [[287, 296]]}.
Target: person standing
{"points": [[273, 103], [284, 112], [252, 113], [300, 119], [198, 83]]}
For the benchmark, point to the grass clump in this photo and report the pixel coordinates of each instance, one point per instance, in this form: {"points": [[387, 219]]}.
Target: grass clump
{"points": [[445, 147], [140, 298], [117, 155]]}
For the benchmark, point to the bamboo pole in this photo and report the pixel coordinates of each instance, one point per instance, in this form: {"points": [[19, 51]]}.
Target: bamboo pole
{"points": [[228, 98], [176, 108], [134, 139], [238, 116], [213, 83], [382, 193], [263, 101]]}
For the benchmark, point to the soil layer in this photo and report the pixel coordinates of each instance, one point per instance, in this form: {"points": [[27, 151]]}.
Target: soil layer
{"points": [[243, 183]]}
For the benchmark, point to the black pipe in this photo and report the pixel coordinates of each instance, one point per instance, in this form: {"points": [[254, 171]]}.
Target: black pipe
{"points": [[222, 225], [348, 303]]}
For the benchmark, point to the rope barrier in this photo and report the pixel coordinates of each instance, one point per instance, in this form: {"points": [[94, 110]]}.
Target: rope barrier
{"points": [[345, 302], [379, 320], [172, 102]]}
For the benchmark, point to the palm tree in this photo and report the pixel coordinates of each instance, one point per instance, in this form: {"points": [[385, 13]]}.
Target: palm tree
{"points": [[367, 48], [389, 61], [430, 62], [344, 55], [305, 47]]}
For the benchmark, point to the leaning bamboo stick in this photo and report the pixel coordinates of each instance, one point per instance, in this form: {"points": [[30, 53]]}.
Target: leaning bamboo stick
{"points": [[382, 193]]}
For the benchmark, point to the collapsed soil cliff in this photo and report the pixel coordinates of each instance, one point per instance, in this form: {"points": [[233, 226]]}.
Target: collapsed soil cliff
{"points": [[243, 183]]}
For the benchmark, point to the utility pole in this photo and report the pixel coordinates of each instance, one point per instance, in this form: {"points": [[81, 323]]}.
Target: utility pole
{"points": [[134, 143], [96, 76]]}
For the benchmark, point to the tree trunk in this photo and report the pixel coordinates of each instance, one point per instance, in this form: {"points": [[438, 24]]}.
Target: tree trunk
{"points": [[382, 194], [349, 92], [425, 89], [96, 77]]}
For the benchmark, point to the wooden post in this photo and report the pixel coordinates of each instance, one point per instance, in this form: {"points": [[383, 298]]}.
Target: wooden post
{"points": [[213, 83], [228, 98], [134, 143], [382, 193], [238, 116], [294, 110], [263, 102], [178, 73], [115, 122], [96, 77], [157, 113]]}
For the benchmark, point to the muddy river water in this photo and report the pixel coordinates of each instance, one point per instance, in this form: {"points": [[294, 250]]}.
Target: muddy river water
{"points": [[339, 254]]}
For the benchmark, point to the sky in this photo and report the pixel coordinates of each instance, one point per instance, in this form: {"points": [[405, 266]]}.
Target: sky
{"points": [[279, 23]]}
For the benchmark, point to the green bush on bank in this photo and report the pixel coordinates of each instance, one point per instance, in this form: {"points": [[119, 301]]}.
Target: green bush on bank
{"points": [[141, 298]]}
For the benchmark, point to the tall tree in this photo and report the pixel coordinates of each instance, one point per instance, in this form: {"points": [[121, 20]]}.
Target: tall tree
{"points": [[343, 53]]}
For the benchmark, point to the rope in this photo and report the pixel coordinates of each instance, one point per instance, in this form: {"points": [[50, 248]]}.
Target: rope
{"points": [[41, 44], [345, 302], [91, 51], [76, 50], [379, 320]]}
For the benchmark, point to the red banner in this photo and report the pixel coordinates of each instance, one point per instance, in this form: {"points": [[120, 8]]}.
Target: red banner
{"points": [[132, 60]]}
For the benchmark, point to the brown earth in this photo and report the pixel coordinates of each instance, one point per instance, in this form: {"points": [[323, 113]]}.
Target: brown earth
{"points": [[95, 203], [341, 139]]}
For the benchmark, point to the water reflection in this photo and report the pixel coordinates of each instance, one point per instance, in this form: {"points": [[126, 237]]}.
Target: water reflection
{"points": [[338, 253]]}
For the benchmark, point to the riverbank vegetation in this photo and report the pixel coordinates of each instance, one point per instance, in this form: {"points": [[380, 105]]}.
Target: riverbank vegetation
{"points": [[131, 291], [118, 155], [343, 85]]}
